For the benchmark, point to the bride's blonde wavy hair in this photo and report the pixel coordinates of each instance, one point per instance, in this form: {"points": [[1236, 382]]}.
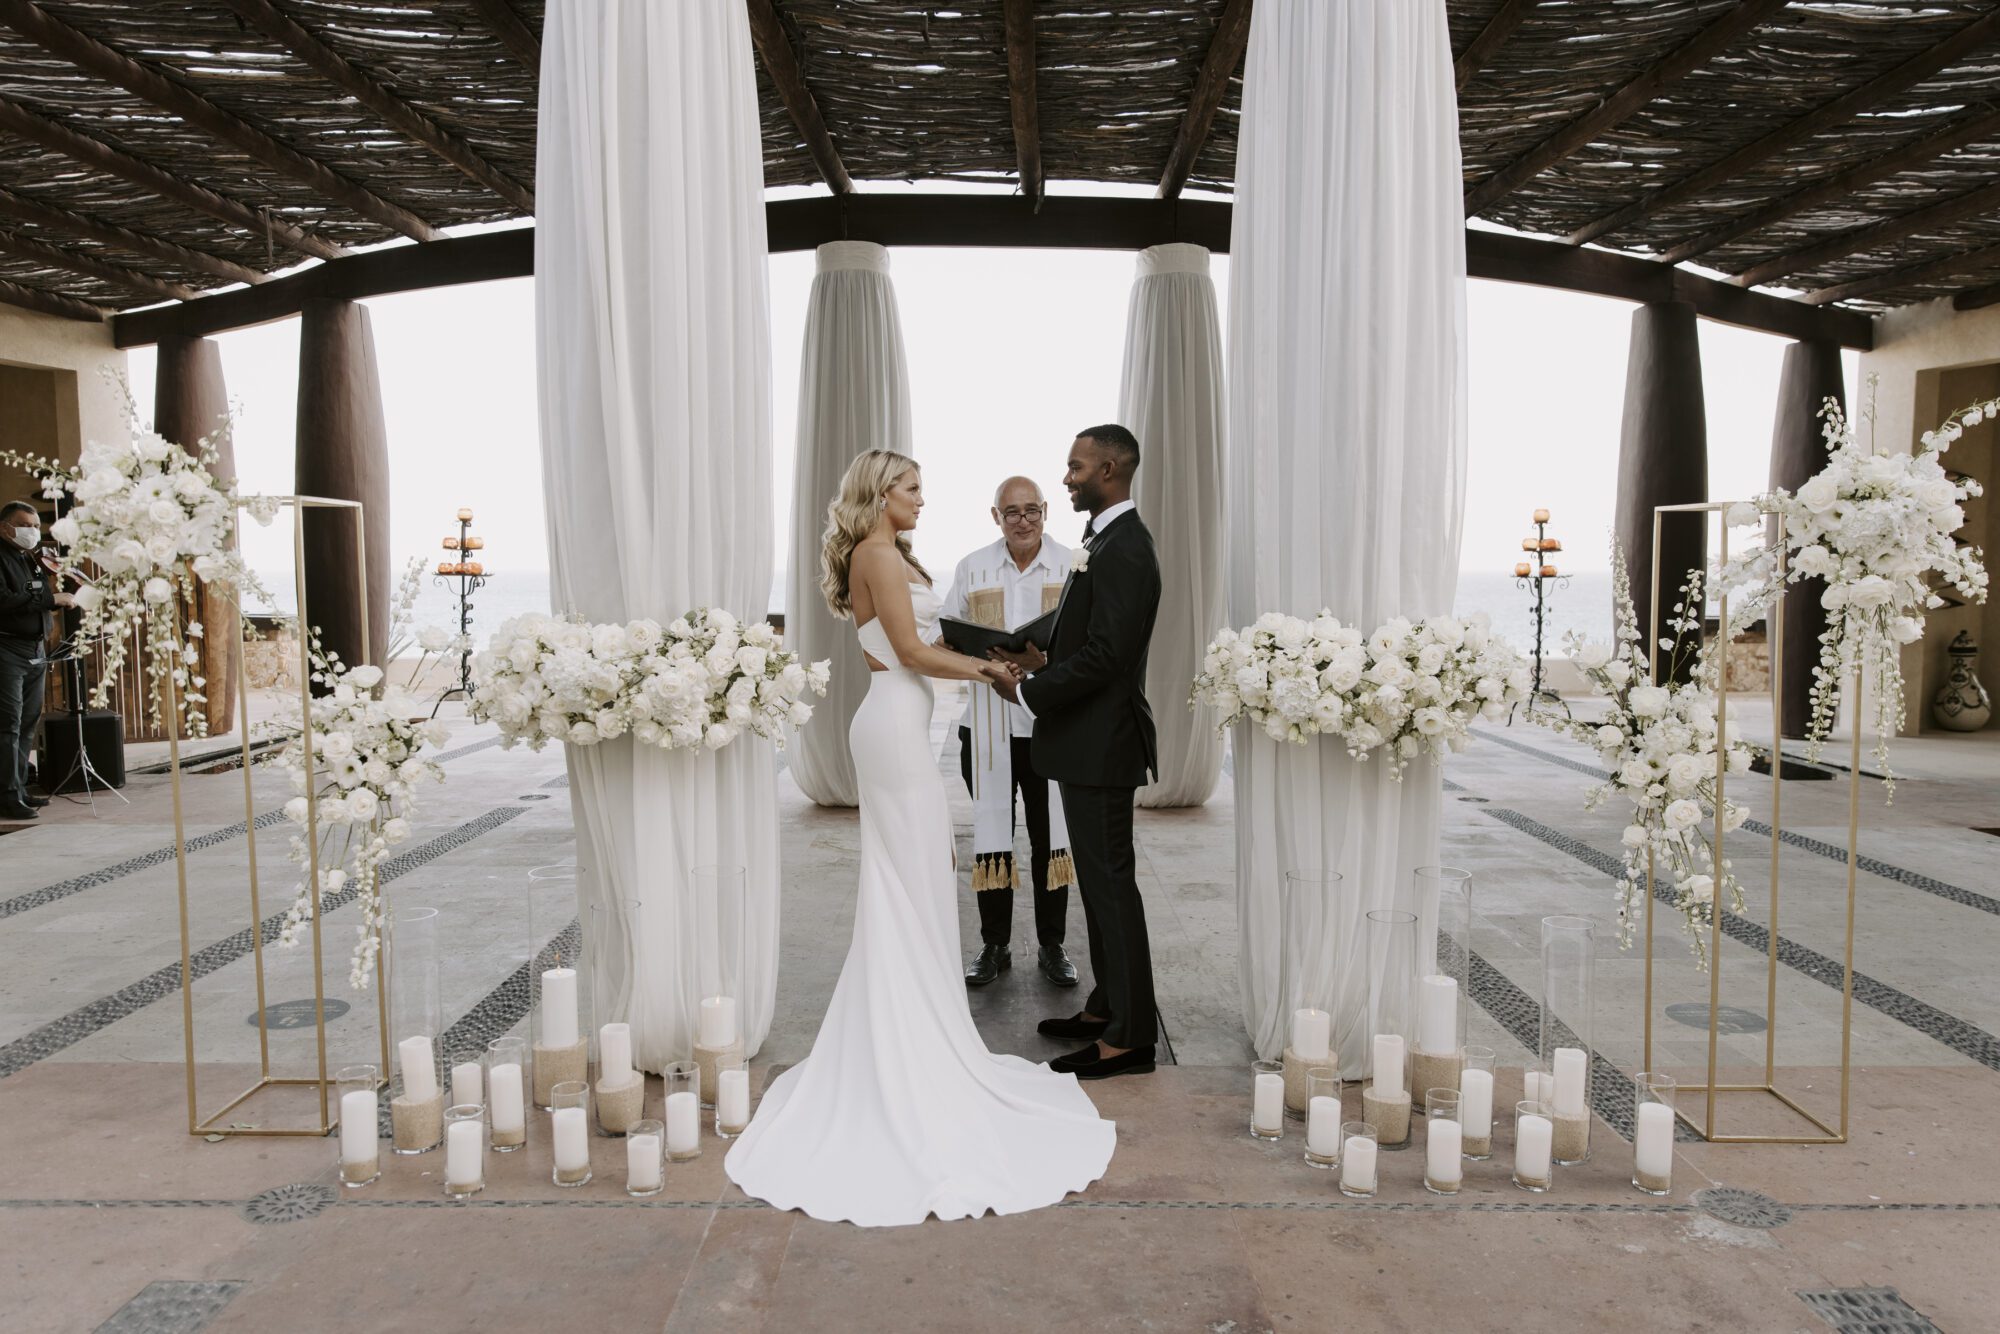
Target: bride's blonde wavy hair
{"points": [[852, 514]]}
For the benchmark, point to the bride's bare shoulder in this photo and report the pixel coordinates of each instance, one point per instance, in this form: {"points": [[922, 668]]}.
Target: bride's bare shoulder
{"points": [[876, 561]]}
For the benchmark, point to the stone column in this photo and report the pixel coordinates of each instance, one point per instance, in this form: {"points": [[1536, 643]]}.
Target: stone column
{"points": [[190, 400], [343, 454], [1812, 374], [1662, 453]]}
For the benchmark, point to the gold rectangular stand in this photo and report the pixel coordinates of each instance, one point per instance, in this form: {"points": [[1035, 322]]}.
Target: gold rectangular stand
{"points": [[1711, 1087], [212, 1124]]}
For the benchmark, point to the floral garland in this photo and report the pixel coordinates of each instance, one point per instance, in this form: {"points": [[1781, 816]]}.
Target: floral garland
{"points": [[1407, 689], [698, 683], [1659, 743], [1875, 527]]}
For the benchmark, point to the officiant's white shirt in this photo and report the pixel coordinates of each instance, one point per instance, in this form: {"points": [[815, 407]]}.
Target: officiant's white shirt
{"points": [[993, 565]]}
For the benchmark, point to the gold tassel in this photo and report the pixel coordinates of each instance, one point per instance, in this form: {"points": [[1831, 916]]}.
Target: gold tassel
{"points": [[995, 870], [1062, 870]]}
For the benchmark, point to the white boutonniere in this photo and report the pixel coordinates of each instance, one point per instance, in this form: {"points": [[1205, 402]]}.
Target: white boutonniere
{"points": [[1080, 561]]}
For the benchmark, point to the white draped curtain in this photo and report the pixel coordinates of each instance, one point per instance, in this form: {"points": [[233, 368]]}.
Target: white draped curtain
{"points": [[854, 395], [1171, 398], [653, 347], [1347, 446]]}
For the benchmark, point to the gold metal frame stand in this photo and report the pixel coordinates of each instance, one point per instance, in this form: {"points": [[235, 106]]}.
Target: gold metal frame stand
{"points": [[1823, 1132], [212, 1124]]}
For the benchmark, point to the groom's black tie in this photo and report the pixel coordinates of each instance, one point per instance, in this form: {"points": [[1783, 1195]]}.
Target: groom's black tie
{"points": [[1089, 529]]}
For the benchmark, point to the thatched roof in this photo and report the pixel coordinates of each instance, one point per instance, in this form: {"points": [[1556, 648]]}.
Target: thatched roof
{"points": [[1845, 151]]}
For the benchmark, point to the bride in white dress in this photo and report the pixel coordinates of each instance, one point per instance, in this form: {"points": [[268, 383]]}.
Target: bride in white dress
{"points": [[900, 1112]]}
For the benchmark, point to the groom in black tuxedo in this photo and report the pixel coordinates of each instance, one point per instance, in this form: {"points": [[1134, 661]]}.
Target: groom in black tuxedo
{"points": [[1094, 735]]}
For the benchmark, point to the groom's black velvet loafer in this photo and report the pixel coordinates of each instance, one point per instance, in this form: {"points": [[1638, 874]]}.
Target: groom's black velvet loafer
{"points": [[1138, 1061], [1076, 1028]]}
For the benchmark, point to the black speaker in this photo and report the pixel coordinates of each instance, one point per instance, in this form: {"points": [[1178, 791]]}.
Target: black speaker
{"points": [[102, 733]]}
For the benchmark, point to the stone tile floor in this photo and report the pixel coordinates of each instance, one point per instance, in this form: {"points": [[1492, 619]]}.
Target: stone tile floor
{"points": [[115, 1217]]}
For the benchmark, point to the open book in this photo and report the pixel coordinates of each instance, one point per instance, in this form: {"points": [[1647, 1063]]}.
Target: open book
{"points": [[974, 639]]}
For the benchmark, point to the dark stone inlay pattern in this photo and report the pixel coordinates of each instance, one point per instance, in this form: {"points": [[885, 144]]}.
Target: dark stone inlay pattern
{"points": [[299, 1013], [172, 1306], [290, 1204], [1743, 1208], [1730, 1020], [1866, 1311], [79, 1024]]}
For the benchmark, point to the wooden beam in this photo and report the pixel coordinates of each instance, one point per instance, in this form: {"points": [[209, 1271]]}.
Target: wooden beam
{"points": [[1839, 111], [1225, 53], [1972, 129], [100, 156], [1020, 20], [1063, 222], [1691, 55], [1857, 239], [50, 303], [1979, 298], [23, 209], [394, 111], [781, 62], [1480, 50], [513, 34], [149, 84], [1945, 266], [159, 289]]}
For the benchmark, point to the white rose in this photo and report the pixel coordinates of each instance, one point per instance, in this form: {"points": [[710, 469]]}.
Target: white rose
{"points": [[1700, 888], [1870, 591], [89, 598], [1635, 836], [1682, 814], [1906, 629], [1683, 772], [336, 746], [1609, 737], [65, 531], [1636, 775], [1592, 656], [164, 511], [395, 830], [1819, 493], [1429, 658], [361, 804], [718, 736], [366, 676], [608, 641], [752, 661], [295, 810], [1648, 701], [582, 733], [158, 590], [1430, 721], [1815, 562], [1618, 672], [433, 638], [150, 446], [1741, 515]]}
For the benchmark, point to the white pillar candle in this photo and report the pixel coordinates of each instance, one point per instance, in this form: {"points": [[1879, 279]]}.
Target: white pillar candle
{"points": [[1653, 1144], [614, 1054], [1357, 1163], [360, 1138], [464, 1153], [572, 1135], [559, 1008], [1537, 1086], [1534, 1136], [642, 1162], [718, 1021], [467, 1085], [732, 1097], [1323, 1125], [1572, 1075], [1437, 1015], [1475, 1102], [1444, 1141], [1267, 1109], [1388, 1063], [509, 1103], [1312, 1034], [420, 1080], [683, 1122]]}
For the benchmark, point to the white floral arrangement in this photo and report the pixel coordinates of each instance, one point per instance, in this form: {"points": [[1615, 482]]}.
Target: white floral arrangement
{"points": [[1405, 690], [1877, 527], [697, 683], [370, 745], [1659, 743], [143, 521]]}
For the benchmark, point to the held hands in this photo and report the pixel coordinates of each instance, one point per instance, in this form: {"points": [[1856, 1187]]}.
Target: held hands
{"points": [[1030, 659], [1004, 677]]}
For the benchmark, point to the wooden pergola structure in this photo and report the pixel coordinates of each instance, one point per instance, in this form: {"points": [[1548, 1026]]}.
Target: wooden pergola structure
{"points": [[1792, 166]]}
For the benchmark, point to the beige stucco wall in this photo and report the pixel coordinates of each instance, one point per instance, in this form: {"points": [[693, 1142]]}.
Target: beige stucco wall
{"points": [[1931, 360], [53, 393]]}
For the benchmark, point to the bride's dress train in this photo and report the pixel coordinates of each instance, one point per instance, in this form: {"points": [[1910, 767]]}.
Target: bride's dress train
{"points": [[900, 1112]]}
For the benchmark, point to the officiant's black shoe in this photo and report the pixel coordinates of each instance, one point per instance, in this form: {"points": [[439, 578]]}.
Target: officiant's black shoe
{"points": [[1056, 966], [11, 811], [1076, 1028], [1138, 1061], [993, 960], [35, 802]]}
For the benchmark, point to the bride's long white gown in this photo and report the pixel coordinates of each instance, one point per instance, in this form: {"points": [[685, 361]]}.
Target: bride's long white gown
{"points": [[900, 1112]]}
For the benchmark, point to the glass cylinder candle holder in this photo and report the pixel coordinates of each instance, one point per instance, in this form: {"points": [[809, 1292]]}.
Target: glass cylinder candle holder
{"points": [[1444, 1142], [411, 959], [558, 1004], [1392, 977], [465, 1082], [1358, 1175], [1308, 975], [1322, 1118], [464, 1151], [1569, 976], [1443, 895], [683, 1111], [507, 1092], [1475, 1101], [360, 1146], [1267, 1100], [613, 931], [720, 904], [645, 1159], [569, 1129], [1534, 1140], [732, 1095], [1653, 1132]]}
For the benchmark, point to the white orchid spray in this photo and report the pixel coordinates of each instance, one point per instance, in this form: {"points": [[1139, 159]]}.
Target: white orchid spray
{"points": [[1659, 742]]}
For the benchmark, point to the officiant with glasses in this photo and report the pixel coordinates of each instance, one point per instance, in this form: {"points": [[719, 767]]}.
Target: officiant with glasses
{"points": [[1005, 585]]}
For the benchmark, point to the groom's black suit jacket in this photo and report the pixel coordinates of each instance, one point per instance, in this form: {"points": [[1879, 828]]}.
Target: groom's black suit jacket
{"points": [[1092, 724]]}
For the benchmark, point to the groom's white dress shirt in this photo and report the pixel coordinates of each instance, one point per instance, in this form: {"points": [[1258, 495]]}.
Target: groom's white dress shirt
{"points": [[1023, 599]]}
